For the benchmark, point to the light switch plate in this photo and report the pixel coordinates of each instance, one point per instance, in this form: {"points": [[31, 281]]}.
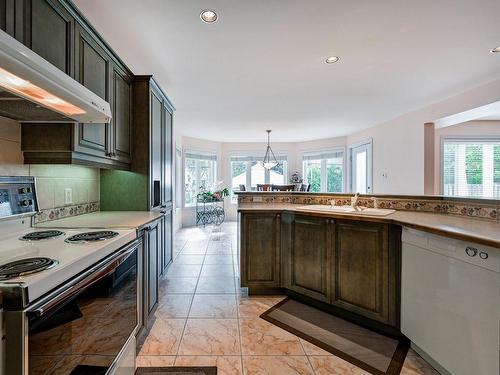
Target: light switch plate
{"points": [[68, 196]]}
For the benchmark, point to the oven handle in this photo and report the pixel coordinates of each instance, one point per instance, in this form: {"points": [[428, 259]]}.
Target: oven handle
{"points": [[83, 281]]}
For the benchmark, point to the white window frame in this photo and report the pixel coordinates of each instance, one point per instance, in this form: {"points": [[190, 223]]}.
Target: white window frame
{"points": [[208, 154], [281, 156], [179, 178], [369, 179], [459, 138], [324, 171]]}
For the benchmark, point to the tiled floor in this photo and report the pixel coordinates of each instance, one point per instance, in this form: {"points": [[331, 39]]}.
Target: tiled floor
{"points": [[203, 320]]}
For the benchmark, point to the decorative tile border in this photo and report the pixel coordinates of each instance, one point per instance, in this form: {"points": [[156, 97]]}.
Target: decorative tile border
{"points": [[440, 205], [65, 211]]}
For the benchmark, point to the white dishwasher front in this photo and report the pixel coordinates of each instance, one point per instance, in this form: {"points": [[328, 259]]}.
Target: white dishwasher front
{"points": [[450, 302]]}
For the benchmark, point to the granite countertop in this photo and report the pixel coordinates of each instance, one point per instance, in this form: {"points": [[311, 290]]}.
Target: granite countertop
{"points": [[467, 229], [104, 219]]}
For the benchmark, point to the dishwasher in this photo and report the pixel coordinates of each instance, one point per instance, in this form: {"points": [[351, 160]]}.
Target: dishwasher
{"points": [[450, 302]]}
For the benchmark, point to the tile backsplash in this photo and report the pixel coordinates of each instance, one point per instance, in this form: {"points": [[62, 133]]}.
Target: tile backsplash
{"points": [[52, 180]]}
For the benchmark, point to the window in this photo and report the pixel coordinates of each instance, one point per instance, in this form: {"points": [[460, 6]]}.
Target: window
{"points": [[471, 167], [324, 171], [199, 175], [248, 171], [178, 178]]}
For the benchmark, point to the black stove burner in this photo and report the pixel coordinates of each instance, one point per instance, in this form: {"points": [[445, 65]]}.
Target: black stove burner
{"points": [[41, 235], [91, 236], [25, 267]]}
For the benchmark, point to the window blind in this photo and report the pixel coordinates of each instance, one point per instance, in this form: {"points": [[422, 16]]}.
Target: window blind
{"points": [[324, 155], [256, 158], [191, 155], [471, 168]]}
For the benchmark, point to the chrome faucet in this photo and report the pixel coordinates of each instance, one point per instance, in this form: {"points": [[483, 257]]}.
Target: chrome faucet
{"points": [[354, 201]]}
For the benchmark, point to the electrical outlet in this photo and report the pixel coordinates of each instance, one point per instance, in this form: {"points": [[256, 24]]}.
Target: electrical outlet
{"points": [[68, 196]]}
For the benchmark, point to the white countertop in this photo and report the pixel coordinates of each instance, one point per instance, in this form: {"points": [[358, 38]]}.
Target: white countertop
{"points": [[104, 219]]}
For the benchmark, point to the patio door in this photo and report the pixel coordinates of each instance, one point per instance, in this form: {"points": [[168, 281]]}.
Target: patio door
{"points": [[361, 168]]}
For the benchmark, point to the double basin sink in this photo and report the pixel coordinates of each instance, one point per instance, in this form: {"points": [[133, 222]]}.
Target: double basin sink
{"points": [[348, 210]]}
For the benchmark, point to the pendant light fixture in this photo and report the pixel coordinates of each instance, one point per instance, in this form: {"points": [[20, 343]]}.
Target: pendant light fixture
{"points": [[270, 160]]}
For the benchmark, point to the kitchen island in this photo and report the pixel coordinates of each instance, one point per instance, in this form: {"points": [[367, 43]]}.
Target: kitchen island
{"points": [[406, 273]]}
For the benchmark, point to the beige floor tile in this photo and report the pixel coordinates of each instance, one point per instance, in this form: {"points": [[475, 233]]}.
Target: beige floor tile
{"points": [[416, 365], [226, 365], [181, 285], [216, 285], [193, 250], [312, 349], [189, 259], [214, 306], [331, 365], [218, 259], [217, 270], [164, 337], [183, 270], [253, 307], [155, 360], [210, 337], [174, 306], [259, 337], [276, 365]]}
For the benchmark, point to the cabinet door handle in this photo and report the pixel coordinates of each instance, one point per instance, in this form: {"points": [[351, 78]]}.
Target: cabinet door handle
{"points": [[483, 255], [471, 251]]}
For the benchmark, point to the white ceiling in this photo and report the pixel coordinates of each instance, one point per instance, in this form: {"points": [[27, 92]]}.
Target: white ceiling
{"points": [[261, 65]]}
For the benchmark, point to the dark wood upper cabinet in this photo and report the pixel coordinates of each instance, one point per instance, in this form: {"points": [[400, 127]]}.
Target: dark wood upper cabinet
{"points": [[56, 31], [49, 33], [121, 107], [12, 17], [261, 259], [308, 258], [92, 69]]}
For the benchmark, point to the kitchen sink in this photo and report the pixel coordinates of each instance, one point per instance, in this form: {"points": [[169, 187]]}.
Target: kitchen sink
{"points": [[347, 210]]}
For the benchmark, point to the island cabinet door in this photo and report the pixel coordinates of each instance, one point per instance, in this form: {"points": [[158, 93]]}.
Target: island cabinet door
{"points": [[260, 252], [364, 270], [308, 257]]}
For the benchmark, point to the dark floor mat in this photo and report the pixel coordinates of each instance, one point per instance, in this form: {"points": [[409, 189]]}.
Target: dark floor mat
{"points": [[89, 370], [176, 371], [371, 351]]}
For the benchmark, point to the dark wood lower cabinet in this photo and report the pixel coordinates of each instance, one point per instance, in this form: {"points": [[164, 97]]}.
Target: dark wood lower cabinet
{"points": [[350, 265], [364, 270], [307, 256], [260, 260]]}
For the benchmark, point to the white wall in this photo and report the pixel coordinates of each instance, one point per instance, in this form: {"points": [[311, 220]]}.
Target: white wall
{"points": [[398, 144], [487, 129]]}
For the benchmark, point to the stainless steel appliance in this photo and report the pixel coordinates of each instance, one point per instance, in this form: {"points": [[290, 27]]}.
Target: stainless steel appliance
{"points": [[69, 298]]}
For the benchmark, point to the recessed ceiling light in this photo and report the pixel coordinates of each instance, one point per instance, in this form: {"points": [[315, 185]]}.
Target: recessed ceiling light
{"points": [[208, 16], [332, 59], [495, 50]]}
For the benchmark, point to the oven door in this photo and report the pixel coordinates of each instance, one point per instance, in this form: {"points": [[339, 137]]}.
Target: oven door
{"points": [[81, 327]]}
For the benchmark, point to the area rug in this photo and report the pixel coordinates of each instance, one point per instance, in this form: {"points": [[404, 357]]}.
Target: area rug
{"points": [[176, 371], [371, 351]]}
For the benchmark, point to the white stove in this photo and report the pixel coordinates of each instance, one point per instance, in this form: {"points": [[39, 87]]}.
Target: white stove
{"points": [[66, 294], [70, 258]]}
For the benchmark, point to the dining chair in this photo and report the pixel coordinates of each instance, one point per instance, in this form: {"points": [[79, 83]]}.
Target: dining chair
{"points": [[305, 187], [264, 187], [283, 187]]}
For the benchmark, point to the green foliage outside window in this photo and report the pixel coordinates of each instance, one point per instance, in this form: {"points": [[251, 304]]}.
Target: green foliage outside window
{"points": [[474, 164]]}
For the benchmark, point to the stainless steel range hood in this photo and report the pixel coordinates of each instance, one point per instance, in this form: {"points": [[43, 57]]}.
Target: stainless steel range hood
{"points": [[33, 90]]}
